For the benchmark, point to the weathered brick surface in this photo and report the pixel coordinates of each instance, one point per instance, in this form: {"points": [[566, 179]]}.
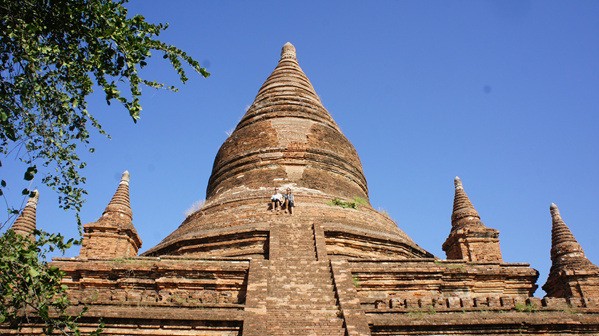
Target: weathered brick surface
{"points": [[485, 323], [113, 235], [286, 139], [571, 273], [301, 295], [26, 222], [349, 302], [257, 293], [287, 134], [399, 284], [237, 216], [154, 282], [469, 238]]}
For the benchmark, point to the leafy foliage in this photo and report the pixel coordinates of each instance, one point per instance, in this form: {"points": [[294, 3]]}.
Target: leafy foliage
{"points": [[525, 307], [341, 203], [360, 201], [53, 53], [30, 289], [348, 204]]}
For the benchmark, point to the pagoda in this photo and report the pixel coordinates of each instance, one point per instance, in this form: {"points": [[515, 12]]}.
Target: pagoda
{"points": [[336, 266]]}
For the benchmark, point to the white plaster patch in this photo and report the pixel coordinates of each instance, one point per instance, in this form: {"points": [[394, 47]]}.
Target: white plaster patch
{"points": [[294, 173], [291, 130]]}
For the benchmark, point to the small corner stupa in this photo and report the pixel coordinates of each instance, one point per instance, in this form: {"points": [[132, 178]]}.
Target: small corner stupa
{"points": [[113, 235], [334, 267], [470, 239], [572, 275], [25, 224]]}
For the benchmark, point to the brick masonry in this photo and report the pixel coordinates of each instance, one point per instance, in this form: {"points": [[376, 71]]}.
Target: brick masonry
{"points": [[236, 267]]}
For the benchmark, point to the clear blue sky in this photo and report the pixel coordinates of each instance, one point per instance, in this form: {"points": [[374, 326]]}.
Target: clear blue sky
{"points": [[504, 94]]}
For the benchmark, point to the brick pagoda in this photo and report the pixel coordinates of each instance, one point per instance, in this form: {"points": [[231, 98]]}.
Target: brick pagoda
{"points": [[334, 267]]}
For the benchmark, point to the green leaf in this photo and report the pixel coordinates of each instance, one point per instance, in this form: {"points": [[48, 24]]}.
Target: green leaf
{"points": [[33, 272], [30, 173], [3, 183], [10, 133]]}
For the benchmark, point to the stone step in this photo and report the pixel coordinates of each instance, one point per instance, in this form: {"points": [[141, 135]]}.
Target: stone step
{"points": [[299, 277], [315, 322], [309, 332], [313, 303], [298, 270], [301, 293], [298, 261]]}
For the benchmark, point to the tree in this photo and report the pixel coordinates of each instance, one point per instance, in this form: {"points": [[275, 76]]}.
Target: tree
{"points": [[53, 54], [30, 289]]}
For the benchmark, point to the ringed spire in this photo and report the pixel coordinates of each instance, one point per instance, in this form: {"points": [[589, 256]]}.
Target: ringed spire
{"points": [[464, 213], [565, 249], [571, 273], [120, 203], [113, 234], [469, 239], [288, 137], [25, 224]]}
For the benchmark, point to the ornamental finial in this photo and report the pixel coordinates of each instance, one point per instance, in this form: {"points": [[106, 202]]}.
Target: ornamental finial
{"points": [[458, 183], [125, 178], [288, 51]]}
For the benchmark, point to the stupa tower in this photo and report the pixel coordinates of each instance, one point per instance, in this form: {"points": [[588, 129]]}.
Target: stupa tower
{"points": [[25, 224], [286, 139], [572, 274]]}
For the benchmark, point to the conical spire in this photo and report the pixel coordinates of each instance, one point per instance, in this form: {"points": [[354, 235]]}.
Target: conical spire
{"points": [[464, 213], [287, 92], [120, 203], [571, 273], [469, 239], [565, 249], [26, 222], [288, 137], [285, 139], [113, 235]]}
